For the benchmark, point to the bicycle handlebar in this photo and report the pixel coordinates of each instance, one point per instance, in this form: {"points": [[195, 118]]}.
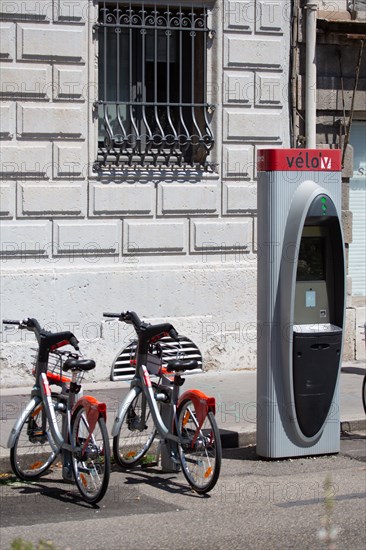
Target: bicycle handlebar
{"points": [[29, 324], [129, 317], [74, 342], [112, 314], [55, 339], [146, 330]]}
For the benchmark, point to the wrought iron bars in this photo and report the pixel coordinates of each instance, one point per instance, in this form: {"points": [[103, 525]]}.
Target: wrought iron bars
{"points": [[152, 107]]}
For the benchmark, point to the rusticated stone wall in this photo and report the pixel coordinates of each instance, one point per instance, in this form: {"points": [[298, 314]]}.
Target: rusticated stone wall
{"points": [[178, 244]]}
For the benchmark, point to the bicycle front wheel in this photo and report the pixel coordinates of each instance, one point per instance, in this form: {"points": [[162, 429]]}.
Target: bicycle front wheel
{"points": [[34, 450], [91, 460], [137, 431], [200, 451], [364, 393]]}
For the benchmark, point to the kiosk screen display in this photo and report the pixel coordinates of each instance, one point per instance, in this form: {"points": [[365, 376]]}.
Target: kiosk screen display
{"points": [[311, 262]]}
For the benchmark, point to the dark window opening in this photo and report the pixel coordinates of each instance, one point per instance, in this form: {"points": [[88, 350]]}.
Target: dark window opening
{"points": [[152, 107]]}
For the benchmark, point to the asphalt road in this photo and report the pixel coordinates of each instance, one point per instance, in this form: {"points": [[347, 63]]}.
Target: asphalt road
{"points": [[256, 504]]}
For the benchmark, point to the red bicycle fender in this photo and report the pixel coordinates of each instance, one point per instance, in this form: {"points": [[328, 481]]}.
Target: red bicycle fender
{"points": [[94, 409], [92, 406], [203, 404]]}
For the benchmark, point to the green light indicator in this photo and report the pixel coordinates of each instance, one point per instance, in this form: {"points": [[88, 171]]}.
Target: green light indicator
{"points": [[324, 205]]}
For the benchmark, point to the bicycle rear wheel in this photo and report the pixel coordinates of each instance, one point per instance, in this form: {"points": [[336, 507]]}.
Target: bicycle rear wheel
{"points": [[136, 434], [91, 463], [200, 452], [364, 393], [34, 450]]}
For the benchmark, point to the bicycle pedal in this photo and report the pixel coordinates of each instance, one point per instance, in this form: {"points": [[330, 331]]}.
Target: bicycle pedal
{"points": [[37, 436], [37, 433]]}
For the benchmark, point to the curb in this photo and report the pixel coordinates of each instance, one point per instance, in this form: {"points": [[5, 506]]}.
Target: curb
{"points": [[231, 439], [353, 425]]}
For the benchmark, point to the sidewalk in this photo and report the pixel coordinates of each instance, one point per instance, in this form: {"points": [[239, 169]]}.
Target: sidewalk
{"points": [[235, 393]]}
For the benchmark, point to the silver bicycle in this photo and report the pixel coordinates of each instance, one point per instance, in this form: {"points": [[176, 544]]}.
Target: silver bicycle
{"points": [[183, 427], [61, 422]]}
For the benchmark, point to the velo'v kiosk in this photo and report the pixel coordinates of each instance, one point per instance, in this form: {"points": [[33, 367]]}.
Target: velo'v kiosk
{"points": [[301, 300]]}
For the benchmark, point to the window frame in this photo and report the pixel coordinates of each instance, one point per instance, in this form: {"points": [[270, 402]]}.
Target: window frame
{"points": [[163, 149]]}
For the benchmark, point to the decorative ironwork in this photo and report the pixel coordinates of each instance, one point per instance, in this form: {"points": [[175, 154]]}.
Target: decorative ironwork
{"points": [[152, 107]]}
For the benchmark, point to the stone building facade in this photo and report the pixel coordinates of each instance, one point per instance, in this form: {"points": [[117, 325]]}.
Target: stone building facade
{"points": [[170, 242]]}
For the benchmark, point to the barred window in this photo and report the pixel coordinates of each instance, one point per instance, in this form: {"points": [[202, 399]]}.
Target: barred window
{"points": [[152, 106]]}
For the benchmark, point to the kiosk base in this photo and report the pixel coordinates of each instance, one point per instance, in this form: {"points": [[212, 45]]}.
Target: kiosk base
{"points": [[315, 370]]}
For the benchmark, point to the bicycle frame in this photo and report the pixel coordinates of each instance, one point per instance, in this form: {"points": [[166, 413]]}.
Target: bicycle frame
{"points": [[60, 441], [189, 438], [36, 400], [50, 411], [82, 439], [203, 404], [41, 393], [165, 423], [164, 431], [92, 407], [143, 383]]}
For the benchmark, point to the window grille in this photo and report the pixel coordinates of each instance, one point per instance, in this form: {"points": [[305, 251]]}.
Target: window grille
{"points": [[152, 107]]}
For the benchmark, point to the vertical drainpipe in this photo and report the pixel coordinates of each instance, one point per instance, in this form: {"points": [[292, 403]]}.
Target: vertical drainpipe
{"points": [[310, 76]]}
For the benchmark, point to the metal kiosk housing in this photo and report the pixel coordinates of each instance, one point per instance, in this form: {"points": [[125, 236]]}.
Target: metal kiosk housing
{"points": [[301, 300]]}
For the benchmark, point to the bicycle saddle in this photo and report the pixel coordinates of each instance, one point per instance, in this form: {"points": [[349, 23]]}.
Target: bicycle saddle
{"points": [[78, 364], [179, 365]]}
